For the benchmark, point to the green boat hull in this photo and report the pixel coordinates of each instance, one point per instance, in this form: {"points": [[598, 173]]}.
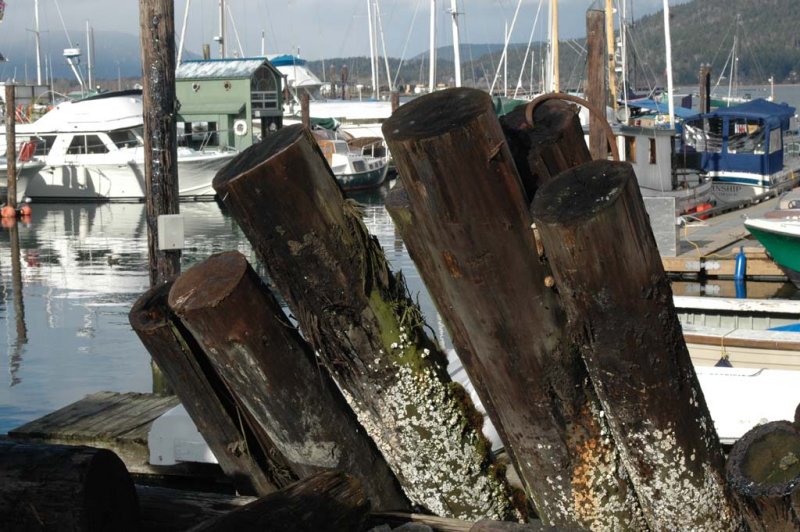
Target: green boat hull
{"points": [[784, 249]]}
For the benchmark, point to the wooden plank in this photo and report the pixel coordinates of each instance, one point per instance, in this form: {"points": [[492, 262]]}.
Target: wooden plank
{"points": [[77, 424], [176, 510], [756, 266]]}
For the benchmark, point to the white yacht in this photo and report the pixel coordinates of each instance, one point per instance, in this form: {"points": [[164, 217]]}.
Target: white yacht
{"points": [[93, 149]]}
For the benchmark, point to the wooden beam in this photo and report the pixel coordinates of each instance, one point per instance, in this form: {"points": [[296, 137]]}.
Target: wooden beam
{"points": [[274, 374], [597, 238], [361, 320], [246, 455], [596, 80], [463, 214], [59, 487]]}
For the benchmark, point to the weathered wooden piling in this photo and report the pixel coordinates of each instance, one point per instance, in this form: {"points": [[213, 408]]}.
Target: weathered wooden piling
{"points": [[595, 86], [464, 217], [607, 268], [244, 453], [328, 502], [763, 469], [11, 146], [547, 144], [359, 317], [60, 487], [157, 37], [275, 375]]}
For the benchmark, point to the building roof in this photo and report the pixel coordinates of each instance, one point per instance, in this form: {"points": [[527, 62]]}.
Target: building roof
{"points": [[242, 68]]}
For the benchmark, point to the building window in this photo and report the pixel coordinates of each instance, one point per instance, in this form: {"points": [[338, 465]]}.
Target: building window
{"points": [[652, 151], [630, 149]]}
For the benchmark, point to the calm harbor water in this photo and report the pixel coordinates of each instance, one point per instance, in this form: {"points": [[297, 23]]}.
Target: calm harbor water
{"points": [[64, 299], [64, 304]]}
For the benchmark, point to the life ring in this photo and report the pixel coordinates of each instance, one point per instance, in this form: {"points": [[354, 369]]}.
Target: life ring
{"points": [[240, 128]]}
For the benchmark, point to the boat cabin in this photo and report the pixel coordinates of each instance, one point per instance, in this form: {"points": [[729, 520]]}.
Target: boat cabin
{"points": [[740, 142], [227, 102]]}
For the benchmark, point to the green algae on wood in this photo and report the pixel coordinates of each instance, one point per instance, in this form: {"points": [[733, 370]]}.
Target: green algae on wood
{"points": [[360, 319]]}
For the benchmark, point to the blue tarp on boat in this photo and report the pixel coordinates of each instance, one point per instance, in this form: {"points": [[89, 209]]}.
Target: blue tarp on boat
{"points": [[660, 107], [744, 139], [792, 327]]}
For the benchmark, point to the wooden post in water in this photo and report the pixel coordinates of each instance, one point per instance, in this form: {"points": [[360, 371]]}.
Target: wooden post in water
{"points": [[596, 79], [607, 268], [705, 88], [553, 143], [359, 317], [274, 374], [19, 304], [763, 469], [395, 100], [11, 146], [157, 29], [245, 454], [466, 223], [62, 487]]}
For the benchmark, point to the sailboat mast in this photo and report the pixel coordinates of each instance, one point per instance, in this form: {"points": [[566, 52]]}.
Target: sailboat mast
{"points": [[432, 66], [372, 49], [456, 41], [555, 83], [183, 31], [89, 54], [38, 43], [611, 50], [222, 51], [668, 46]]}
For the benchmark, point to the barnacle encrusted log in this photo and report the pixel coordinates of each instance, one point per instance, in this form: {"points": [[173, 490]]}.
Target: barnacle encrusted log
{"points": [[244, 453], [464, 218], [63, 487], [763, 469], [608, 271], [359, 317], [553, 143], [327, 502], [275, 375]]}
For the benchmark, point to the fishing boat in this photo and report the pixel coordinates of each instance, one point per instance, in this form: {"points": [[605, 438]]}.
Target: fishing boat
{"points": [[779, 232], [743, 149], [93, 149], [354, 169]]}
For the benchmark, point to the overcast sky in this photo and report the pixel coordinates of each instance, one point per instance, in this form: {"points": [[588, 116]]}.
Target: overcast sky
{"points": [[319, 28]]}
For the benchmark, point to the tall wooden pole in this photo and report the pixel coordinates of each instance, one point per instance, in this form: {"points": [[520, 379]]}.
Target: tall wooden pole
{"points": [[611, 53], [157, 29], [596, 80], [11, 147]]}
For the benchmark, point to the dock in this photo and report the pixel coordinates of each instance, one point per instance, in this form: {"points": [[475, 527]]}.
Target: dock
{"points": [[708, 248], [120, 423]]}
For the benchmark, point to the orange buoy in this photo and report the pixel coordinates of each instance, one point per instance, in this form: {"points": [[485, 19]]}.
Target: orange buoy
{"points": [[25, 210], [8, 223], [8, 212]]}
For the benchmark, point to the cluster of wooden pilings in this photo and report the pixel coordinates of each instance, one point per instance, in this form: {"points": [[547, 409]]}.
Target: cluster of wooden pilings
{"points": [[542, 264], [544, 268]]}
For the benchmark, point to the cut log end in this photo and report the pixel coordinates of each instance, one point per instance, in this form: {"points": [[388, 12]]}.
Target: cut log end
{"points": [[145, 316], [765, 462], [207, 283], [256, 155], [435, 114], [581, 192]]}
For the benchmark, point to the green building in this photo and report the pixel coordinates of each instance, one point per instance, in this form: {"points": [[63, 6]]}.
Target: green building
{"points": [[227, 102]]}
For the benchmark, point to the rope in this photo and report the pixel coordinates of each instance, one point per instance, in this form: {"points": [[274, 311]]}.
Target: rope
{"points": [[593, 111]]}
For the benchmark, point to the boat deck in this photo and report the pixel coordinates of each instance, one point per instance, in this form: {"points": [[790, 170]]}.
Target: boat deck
{"points": [[708, 248]]}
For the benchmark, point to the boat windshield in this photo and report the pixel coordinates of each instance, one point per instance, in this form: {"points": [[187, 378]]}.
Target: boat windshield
{"points": [[127, 138]]}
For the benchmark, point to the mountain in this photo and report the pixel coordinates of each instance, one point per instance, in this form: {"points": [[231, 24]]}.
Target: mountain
{"points": [[702, 31]]}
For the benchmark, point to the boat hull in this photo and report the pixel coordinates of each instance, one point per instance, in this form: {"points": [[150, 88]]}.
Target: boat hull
{"points": [[781, 239], [363, 180], [124, 181]]}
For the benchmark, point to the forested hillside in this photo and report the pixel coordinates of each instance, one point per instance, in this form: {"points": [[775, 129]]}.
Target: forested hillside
{"points": [[767, 34]]}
